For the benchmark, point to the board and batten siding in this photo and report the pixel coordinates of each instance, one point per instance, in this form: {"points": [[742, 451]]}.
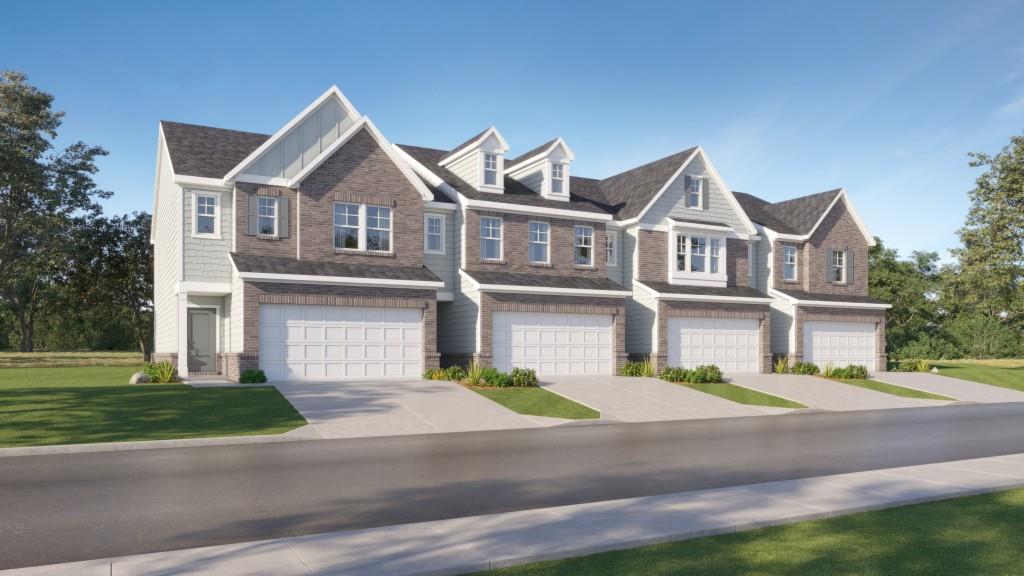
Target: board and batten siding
{"points": [[672, 202], [207, 259], [444, 264], [304, 142], [458, 320], [167, 244], [782, 336]]}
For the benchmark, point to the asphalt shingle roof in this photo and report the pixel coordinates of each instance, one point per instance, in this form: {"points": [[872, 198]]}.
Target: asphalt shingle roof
{"points": [[727, 291], [543, 280], [459, 148], [801, 295], [205, 151], [627, 193], [796, 216], [282, 265], [531, 153]]}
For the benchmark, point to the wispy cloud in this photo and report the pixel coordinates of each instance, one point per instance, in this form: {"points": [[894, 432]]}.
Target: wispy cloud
{"points": [[1011, 108]]}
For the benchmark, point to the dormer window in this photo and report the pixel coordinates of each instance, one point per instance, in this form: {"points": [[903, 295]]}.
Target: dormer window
{"points": [[490, 169], [557, 178]]}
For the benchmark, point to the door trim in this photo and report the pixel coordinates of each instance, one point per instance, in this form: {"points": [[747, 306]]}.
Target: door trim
{"points": [[216, 334]]}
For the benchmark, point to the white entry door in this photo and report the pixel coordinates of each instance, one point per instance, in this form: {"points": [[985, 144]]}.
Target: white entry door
{"points": [[554, 344], [840, 343], [340, 342], [732, 344]]}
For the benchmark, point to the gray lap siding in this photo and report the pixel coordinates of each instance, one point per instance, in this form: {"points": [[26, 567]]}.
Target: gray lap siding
{"points": [[675, 308], [803, 314]]}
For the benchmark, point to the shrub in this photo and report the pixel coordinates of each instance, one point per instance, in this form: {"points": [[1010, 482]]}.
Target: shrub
{"points": [[922, 366], [781, 364], [856, 372], [704, 375], [499, 379], [830, 371], [435, 374], [489, 374], [160, 372], [673, 374], [805, 368], [635, 369], [474, 374], [523, 377], [252, 376], [455, 373]]}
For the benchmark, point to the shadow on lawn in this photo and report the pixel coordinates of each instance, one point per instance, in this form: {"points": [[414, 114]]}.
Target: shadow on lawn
{"points": [[39, 416]]}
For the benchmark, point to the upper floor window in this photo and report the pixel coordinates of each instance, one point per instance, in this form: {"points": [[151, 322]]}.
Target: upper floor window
{"points": [[557, 178], [490, 238], [699, 256], [433, 234], [611, 248], [714, 257], [490, 169], [346, 225], [694, 189], [206, 215], [266, 223], [837, 272], [789, 263], [539, 243], [680, 253], [378, 228], [698, 248], [583, 245]]}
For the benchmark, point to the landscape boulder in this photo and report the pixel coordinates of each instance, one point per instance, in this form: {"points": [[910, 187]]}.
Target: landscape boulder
{"points": [[138, 378]]}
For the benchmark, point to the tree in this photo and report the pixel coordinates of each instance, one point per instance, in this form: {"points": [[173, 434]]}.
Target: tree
{"points": [[41, 193], [991, 260]]}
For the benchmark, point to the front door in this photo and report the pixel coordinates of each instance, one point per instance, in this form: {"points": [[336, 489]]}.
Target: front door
{"points": [[202, 340]]}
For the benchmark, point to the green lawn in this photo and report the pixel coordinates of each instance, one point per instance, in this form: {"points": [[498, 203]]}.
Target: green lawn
{"points": [[892, 389], [537, 402], [979, 536], [1005, 373], [54, 359], [41, 406], [744, 395]]}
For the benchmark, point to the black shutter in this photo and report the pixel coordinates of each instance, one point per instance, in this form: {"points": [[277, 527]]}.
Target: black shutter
{"points": [[705, 193], [282, 217], [828, 264], [252, 210], [849, 266]]}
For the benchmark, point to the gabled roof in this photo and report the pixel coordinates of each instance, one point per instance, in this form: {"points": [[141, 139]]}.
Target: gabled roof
{"points": [[207, 152], [531, 153], [474, 141], [629, 192], [799, 216]]}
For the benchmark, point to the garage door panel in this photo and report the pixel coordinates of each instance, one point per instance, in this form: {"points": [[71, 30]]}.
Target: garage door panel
{"points": [[732, 344], [553, 344], [839, 343]]}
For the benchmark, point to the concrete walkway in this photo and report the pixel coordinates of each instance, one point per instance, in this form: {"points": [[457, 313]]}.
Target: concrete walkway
{"points": [[951, 387], [648, 399], [392, 408], [464, 545], [826, 394]]}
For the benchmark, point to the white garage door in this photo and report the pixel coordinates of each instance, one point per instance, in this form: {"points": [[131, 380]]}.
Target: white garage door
{"points": [[840, 343], [336, 342], [732, 344], [554, 344]]}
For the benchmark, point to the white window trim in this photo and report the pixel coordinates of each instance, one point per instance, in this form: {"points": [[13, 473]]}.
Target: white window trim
{"points": [[364, 228], [501, 239], [547, 244], [698, 278], [359, 227], [593, 256], [216, 214], [842, 267], [426, 243], [274, 202], [499, 184], [700, 194], [611, 237], [796, 263]]}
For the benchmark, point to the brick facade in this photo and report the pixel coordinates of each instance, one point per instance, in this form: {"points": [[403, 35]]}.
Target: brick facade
{"points": [[246, 244], [502, 302], [676, 308], [652, 255], [804, 314], [838, 230]]}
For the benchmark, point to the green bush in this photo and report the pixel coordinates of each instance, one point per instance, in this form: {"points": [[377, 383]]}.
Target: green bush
{"points": [[435, 374], [455, 373], [474, 374], [922, 366], [830, 371], [708, 374], [160, 372], [252, 376], [498, 379], [673, 374], [856, 372], [489, 374], [805, 368], [781, 364], [523, 377], [635, 369]]}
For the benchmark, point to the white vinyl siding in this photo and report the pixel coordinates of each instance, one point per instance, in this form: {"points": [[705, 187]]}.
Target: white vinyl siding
{"points": [[237, 315], [732, 344], [459, 318], [673, 202], [304, 142], [444, 264], [554, 344], [168, 231], [641, 322], [782, 327], [467, 168]]}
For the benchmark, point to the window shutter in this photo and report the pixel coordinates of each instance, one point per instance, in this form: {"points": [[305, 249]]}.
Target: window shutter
{"points": [[252, 226], [686, 191], [828, 265], [705, 193], [282, 217], [849, 266]]}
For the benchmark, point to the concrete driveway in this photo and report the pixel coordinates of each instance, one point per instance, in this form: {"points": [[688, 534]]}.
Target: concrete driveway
{"points": [[827, 394], [951, 387], [647, 399], [391, 408]]}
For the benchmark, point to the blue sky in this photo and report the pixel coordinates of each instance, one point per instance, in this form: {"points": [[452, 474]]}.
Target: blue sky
{"points": [[788, 98]]}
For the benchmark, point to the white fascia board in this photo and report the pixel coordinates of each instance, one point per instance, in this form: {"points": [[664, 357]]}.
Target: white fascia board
{"points": [[664, 187], [347, 106], [439, 206], [710, 298], [728, 192], [543, 155], [161, 151], [826, 303], [553, 291], [472, 146], [201, 182], [203, 288], [325, 154], [425, 173], [265, 180], [849, 207], [309, 279], [538, 210], [698, 226]]}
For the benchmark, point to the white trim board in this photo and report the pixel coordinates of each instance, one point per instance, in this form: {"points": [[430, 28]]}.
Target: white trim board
{"points": [[849, 208], [699, 297], [541, 156], [310, 279], [541, 210], [507, 288], [471, 146], [829, 304]]}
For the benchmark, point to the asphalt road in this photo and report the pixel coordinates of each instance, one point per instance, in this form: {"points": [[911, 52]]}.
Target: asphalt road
{"points": [[74, 507]]}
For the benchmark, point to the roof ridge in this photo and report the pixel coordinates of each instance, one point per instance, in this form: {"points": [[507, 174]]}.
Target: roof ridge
{"points": [[206, 127], [460, 147], [532, 152]]}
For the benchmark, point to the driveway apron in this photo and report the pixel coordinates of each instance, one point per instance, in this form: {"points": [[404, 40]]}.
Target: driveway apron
{"points": [[826, 394]]}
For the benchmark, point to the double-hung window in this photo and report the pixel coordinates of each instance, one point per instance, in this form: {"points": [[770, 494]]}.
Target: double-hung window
{"points": [[838, 268], [433, 234], [789, 263], [266, 223], [491, 169], [611, 248], [698, 252], [378, 228], [206, 215], [346, 226], [714, 256], [693, 192], [583, 245], [557, 178], [539, 243], [490, 238], [699, 257], [680, 253]]}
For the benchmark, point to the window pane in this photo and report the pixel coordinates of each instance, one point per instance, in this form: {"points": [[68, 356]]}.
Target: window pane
{"points": [[714, 255], [490, 249], [681, 253], [538, 252], [204, 225], [434, 234], [698, 245], [584, 245]]}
